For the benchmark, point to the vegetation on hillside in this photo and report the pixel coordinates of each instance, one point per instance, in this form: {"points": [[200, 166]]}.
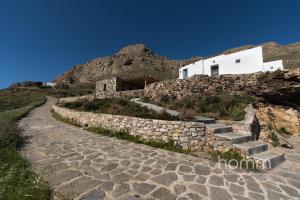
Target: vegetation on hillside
{"points": [[117, 106], [60, 91], [17, 181], [225, 106]]}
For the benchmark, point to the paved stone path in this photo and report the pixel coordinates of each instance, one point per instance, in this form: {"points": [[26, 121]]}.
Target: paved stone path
{"points": [[83, 165]]}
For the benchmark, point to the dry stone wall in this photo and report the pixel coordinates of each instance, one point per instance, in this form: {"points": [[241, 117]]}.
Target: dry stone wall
{"points": [[187, 134], [199, 84], [106, 88], [250, 125], [89, 97], [116, 87]]}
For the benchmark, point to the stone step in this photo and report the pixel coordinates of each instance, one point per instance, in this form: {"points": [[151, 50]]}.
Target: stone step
{"points": [[218, 128], [235, 138], [269, 159], [204, 120], [251, 147]]}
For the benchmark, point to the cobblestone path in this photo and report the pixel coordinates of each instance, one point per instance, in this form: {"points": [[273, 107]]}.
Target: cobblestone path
{"points": [[83, 165]]}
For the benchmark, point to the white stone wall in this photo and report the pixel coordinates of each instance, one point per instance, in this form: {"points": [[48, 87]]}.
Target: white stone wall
{"points": [[273, 65], [187, 134]]}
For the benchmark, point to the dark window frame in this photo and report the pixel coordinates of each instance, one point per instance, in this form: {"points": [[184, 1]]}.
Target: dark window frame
{"points": [[185, 73], [237, 61]]}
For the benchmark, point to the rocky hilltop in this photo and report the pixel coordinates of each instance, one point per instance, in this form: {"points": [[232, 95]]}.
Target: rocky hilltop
{"points": [[138, 61], [130, 62]]}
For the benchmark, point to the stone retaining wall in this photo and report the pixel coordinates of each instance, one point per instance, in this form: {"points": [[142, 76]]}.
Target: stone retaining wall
{"points": [[89, 97], [199, 84], [250, 125], [187, 134]]}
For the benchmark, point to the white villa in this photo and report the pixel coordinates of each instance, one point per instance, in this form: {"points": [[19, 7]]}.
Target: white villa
{"points": [[242, 62]]}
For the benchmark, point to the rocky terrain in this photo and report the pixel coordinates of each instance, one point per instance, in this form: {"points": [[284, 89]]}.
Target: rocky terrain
{"points": [[138, 61], [130, 62]]}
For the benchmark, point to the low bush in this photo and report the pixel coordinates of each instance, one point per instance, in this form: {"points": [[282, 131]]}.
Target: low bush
{"points": [[118, 106], [274, 139], [230, 107], [187, 114], [283, 131]]}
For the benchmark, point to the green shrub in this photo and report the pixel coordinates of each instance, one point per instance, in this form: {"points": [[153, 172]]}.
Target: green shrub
{"points": [[118, 106], [283, 130], [73, 105], [90, 106], [217, 106], [274, 139]]}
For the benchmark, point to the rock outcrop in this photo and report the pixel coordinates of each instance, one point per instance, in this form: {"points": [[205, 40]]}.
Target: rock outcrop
{"points": [[130, 62], [278, 88], [279, 117]]}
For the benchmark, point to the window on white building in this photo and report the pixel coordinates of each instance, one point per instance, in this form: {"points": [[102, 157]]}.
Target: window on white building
{"points": [[237, 60]]}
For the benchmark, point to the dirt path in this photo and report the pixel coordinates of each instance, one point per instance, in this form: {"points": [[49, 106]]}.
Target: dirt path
{"points": [[82, 165]]}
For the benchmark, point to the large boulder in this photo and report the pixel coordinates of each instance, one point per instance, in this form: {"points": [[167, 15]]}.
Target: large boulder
{"points": [[278, 117]]}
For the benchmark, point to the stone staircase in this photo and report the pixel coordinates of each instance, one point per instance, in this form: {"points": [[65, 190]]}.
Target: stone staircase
{"points": [[251, 148]]}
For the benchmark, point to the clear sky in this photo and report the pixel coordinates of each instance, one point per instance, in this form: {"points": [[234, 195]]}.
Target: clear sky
{"points": [[40, 39]]}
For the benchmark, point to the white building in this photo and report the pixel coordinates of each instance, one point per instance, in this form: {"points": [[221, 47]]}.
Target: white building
{"points": [[242, 62], [49, 84]]}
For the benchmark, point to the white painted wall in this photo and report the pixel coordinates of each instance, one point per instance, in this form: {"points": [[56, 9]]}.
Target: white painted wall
{"points": [[251, 61], [273, 65], [194, 68]]}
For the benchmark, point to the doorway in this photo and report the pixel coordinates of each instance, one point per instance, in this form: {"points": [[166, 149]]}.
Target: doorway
{"points": [[214, 70], [185, 73]]}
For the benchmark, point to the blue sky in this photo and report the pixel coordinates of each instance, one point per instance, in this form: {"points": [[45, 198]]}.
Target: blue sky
{"points": [[40, 39]]}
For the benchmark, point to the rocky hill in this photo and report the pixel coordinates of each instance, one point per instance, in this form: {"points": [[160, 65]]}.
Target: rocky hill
{"points": [[130, 62], [138, 61]]}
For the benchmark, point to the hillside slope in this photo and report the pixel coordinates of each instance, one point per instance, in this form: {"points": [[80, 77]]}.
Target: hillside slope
{"points": [[138, 61], [130, 62]]}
